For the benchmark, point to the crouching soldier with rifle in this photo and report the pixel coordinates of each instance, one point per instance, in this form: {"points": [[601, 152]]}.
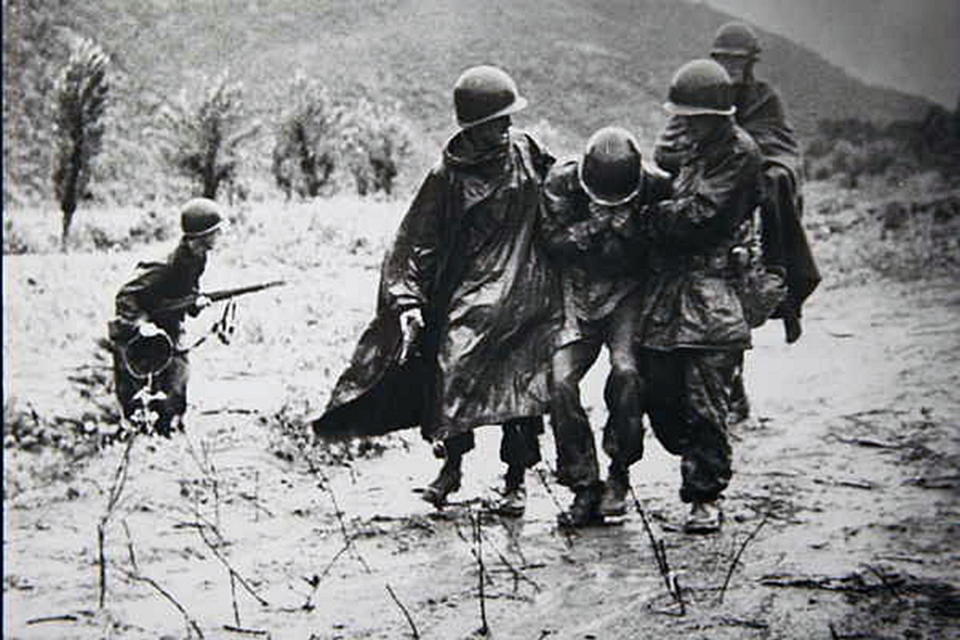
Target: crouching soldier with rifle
{"points": [[146, 331], [590, 204], [150, 365]]}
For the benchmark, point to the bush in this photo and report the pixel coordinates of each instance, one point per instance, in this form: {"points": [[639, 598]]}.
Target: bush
{"points": [[202, 141], [13, 240], [95, 423], [292, 439], [29, 231], [376, 141], [305, 149], [854, 148]]}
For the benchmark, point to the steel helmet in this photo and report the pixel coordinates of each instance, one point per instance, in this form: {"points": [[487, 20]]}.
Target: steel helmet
{"points": [[735, 39], [483, 93], [200, 217], [700, 87], [610, 171]]}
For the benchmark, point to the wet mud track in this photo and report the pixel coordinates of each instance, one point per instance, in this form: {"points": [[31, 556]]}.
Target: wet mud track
{"points": [[843, 509]]}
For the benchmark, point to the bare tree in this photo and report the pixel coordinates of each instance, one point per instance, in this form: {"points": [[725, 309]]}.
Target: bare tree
{"points": [[80, 95], [202, 140]]}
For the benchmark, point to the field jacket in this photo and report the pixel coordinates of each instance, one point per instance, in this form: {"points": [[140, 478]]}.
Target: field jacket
{"points": [[690, 300], [760, 112], [155, 285]]}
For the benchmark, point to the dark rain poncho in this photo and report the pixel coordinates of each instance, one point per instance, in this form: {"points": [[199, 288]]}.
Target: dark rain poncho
{"points": [[760, 112], [466, 254]]}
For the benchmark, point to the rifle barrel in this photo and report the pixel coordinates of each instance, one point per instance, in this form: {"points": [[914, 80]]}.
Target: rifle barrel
{"points": [[223, 294], [220, 294]]}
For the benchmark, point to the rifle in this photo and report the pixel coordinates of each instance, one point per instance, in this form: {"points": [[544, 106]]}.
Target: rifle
{"points": [[221, 294]]}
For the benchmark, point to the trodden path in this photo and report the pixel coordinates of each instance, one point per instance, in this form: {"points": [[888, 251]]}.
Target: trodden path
{"points": [[844, 511]]}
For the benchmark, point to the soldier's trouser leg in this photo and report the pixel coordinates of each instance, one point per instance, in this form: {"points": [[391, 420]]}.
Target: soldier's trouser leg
{"points": [[124, 385], [624, 390], [173, 382], [576, 451], [456, 446], [739, 402], [520, 443], [520, 448], [688, 404]]}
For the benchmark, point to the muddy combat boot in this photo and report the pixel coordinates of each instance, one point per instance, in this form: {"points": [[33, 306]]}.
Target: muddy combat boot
{"points": [[446, 482], [705, 517], [512, 501], [614, 501], [585, 509]]}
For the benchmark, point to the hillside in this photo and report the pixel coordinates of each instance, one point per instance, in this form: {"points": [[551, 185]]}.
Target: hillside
{"points": [[583, 63]]}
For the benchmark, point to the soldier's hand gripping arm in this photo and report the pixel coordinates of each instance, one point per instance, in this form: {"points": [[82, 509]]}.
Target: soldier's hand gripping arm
{"points": [[201, 303], [626, 236], [726, 193]]}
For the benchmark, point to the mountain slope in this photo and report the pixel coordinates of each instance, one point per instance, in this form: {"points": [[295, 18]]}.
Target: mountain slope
{"points": [[582, 63]]}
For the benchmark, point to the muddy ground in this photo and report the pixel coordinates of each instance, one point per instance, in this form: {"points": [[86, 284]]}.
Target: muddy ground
{"points": [[843, 510]]}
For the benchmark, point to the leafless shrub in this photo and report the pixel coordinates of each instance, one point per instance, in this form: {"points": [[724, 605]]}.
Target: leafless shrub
{"points": [[202, 140], [95, 423], [292, 437]]}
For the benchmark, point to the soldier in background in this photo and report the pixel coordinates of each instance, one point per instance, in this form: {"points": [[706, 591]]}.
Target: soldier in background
{"points": [[693, 329], [760, 111], [142, 316], [590, 205], [468, 304]]}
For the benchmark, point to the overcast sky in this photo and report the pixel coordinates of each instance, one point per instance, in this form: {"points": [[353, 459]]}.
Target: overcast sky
{"points": [[912, 45]]}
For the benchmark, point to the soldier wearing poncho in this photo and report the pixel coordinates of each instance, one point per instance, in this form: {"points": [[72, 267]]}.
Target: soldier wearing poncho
{"points": [[140, 313], [693, 328], [590, 205], [467, 304]]}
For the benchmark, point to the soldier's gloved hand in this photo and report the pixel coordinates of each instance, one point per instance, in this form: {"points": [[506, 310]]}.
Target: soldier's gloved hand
{"points": [[411, 325], [201, 303], [620, 222], [148, 330], [580, 233]]}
